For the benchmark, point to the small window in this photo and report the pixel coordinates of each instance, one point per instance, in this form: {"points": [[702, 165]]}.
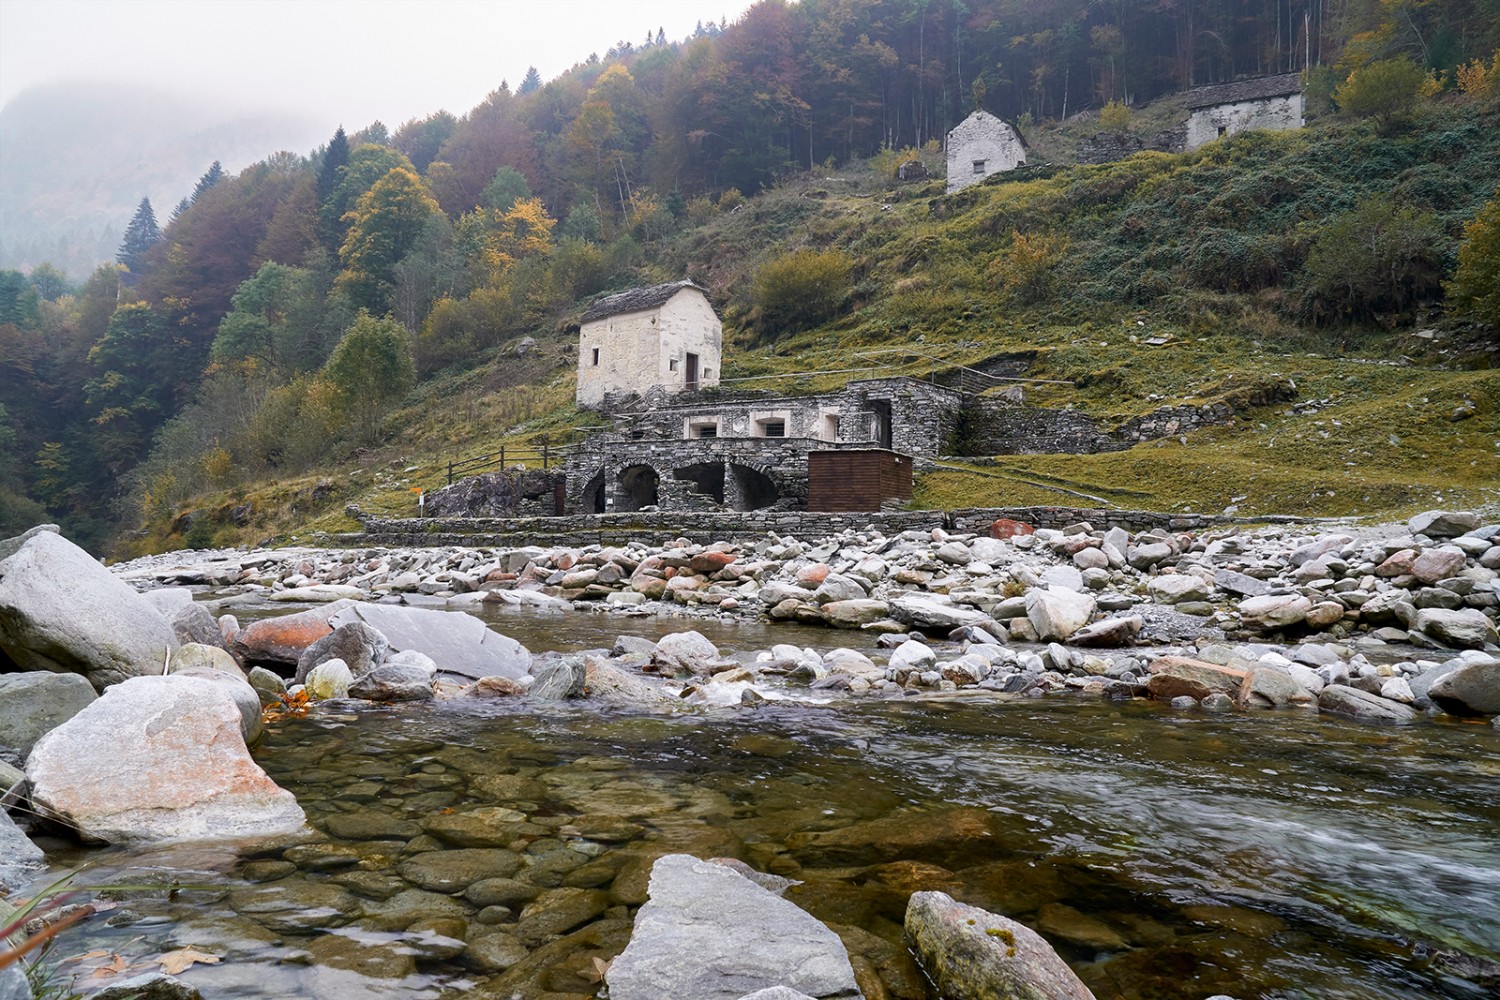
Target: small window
{"points": [[979, 166], [672, 365], [596, 357], [774, 428], [708, 431], [637, 435], [1223, 129]]}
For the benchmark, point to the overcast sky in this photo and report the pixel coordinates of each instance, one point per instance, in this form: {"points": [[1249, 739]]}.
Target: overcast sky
{"points": [[340, 61]]}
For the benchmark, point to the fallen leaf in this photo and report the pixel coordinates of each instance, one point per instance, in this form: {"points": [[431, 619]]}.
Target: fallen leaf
{"points": [[111, 968], [595, 974], [174, 962]]}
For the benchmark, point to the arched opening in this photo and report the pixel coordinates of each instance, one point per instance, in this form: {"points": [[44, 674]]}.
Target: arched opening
{"points": [[637, 488], [593, 494], [749, 489], [707, 478]]}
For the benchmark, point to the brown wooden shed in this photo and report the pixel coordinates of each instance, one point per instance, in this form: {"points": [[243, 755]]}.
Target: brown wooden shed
{"points": [[856, 479]]}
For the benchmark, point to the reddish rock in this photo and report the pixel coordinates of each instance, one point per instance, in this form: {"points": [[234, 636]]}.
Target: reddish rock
{"points": [[709, 563], [1437, 564], [494, 687], [813, 576], [1006, 528], [282, 640], [1397, 563], [1174, 676]]}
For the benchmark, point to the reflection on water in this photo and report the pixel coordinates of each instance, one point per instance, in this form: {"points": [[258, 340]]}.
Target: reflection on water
{"points": [[497, 851]]}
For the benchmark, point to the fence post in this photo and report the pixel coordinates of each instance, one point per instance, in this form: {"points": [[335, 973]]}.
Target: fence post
{"points": [[450, 473], [502, 458], [544, 456]]}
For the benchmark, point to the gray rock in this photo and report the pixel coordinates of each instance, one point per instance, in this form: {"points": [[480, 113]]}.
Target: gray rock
{"points": [[1443, 523], [361, 647], [13, 984], [458, 643], [246, 699], [777, 993], [20, 859], [972, 954], [1471, 689], [610, 684], [1109, 632], [1265, 687], [855, 613], [1057, 614], [1145, 556], [34, 703], [158, 759], [329, 680], [709, 933], [12, 784], [1274, 612], [686, 653], [836, 587], [269, 686], [393, 682], [283, 639], [193, 623], [934, 611], [1340, 699], [151, 986], [61, 610], [1240, 583], [557, 678], [1465, 629], [1175, 588]]}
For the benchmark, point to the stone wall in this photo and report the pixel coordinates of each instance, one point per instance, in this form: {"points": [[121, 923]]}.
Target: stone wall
{"points": [[1108, 147], [979, 146], [1205, 125], [657, 528]]}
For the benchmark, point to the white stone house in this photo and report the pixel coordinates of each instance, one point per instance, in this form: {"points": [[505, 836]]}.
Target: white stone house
{"points": [[981, 145], [1269, 102], [664, 336]]}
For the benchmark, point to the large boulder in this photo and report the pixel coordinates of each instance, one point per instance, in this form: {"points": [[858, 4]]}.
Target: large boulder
{"points": [[1179, 676], [35, 703], [1443, 523], [158, 759], [1466, 628], [61, 610], [283, 639], [20, 859], [1274, 612], [934, 612], [972, 954], [361, 647], [458, 643], [1472, 689], [686, 653], [213, 664], [1340, 699], [1057, 614], [710, 933], [854, 614]]}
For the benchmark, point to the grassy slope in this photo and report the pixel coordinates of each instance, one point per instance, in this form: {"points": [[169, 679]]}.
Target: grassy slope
{"points": [[1382, 442]]}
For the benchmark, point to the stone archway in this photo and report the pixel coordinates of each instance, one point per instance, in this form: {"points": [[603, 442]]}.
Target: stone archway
{"points": [[592, 500], [636, 487], [707, 478], [749, 488]]}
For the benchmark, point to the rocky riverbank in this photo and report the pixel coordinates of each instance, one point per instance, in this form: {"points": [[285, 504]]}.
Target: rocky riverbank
{"points": [[1380, 624]]}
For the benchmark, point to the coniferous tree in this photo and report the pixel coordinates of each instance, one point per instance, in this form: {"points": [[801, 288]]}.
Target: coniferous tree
{"points": [[330, 173], [530, 82], [140, 236], [214, 175], [182, 206]]}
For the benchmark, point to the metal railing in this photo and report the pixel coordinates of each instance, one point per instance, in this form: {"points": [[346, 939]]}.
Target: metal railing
{"points": [[506, 456]]}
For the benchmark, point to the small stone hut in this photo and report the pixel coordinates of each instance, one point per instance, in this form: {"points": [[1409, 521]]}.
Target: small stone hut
{"points": [[662, 336], [1269, 102], [981, 145]]}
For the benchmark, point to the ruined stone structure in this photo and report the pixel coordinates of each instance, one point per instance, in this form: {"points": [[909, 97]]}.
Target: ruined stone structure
{"points": [[979, 146], [663, 337], [747, 451], [1267, 102]]}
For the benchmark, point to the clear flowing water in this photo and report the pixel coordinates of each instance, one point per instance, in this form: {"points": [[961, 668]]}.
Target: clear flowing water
{"points": [[1277, 855]]}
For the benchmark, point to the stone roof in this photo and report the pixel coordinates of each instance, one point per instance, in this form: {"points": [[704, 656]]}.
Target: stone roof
{"points": [[1258, 89], [637, 300]]}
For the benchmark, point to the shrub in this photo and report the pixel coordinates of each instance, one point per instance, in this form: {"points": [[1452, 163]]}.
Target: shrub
{"points": [[1478, 81], [369, 371], [1385, 90], [799, 290], [1374, 258], [730, 200], [1475, 288], [1115, 116], [1027, 269]]}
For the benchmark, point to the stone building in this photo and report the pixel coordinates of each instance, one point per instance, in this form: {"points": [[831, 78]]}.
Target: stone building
{"points": [[981, 145], [662, 337], [1268, 102], [749, 450]]}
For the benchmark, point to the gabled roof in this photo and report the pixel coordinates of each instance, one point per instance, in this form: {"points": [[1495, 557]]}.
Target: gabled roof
{"points": [[636, 300], [1260, 88]]}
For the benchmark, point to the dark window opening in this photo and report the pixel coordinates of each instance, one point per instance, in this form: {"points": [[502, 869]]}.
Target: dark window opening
{"points": [[692, 371], [1223, 129], [979, 166], [775, 428], [596, 357], [708, 431]]}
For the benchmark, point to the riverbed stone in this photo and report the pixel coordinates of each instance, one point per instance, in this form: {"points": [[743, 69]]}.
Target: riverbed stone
{"points": [[232, 682], [687, 653], [1341, 699], [1471, 689], [60, 610], [1118, 631], [557, 911], [853, 614], [295, 906], [329, 679], [1468, 628], [361, 647], [1175, 588], [158, 759], [933, 611], [268, 685], [950, 837], [1438, 564], [1266, 687], [20, 859], [613, 685], [709, 933], [1057, 614], [36, 702], [1443, 523], [1274, 612], [972, 954], [1178, 676], [147, 986], [459, 643], [556, 678], [393, 682], [282, 640], [453, 871]]}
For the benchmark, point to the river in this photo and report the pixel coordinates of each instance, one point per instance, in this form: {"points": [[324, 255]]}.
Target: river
{"points": [[1170, 855]]}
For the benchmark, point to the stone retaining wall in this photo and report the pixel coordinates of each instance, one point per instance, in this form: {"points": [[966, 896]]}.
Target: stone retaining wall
{"points": [[655, 528]]}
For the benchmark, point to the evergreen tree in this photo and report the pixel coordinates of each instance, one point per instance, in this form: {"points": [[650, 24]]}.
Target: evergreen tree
{"points": [[330, 173], [177, 213], [531, 81], [214, 175], [140, 236]]}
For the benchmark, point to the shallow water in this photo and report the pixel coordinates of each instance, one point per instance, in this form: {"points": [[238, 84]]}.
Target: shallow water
{"points": [[1278, 855]]}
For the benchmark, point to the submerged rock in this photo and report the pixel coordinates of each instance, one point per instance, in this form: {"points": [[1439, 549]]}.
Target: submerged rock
{"points": [[458, 643], [158, 759], [34, 703], [1340, 699], [1472, 689], [709, 933], [20, 859], [972, 954]]}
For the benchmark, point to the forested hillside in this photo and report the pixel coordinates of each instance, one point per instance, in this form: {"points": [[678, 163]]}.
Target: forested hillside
{"points": [[266, 327]]}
